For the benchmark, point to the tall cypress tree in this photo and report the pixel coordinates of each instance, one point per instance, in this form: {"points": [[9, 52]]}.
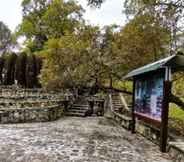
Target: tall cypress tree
{"points": [[1, 69], [20, 69], [31, 71], [38, 69], [10, 69]]}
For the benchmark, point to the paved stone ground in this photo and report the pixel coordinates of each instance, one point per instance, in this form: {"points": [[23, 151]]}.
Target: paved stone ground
{"points": [[75, 140]]}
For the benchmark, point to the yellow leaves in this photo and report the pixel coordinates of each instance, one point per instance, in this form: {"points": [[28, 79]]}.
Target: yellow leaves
{"points": [[142, 40], [65, 58]]}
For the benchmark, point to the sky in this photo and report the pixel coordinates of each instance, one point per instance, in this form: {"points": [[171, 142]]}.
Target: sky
{"points": [[109, 13]]}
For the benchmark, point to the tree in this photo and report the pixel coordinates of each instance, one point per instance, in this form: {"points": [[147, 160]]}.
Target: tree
{"points": [[5, 38], [44, 19], [9, 69], [39, 62], [70, 59], [31, 77], [20, 69], [169, 13], [1, 68], [142, 40]]}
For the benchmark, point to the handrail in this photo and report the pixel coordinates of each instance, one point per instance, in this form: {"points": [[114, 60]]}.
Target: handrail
{"points": [[115, 113], [123, 101]]}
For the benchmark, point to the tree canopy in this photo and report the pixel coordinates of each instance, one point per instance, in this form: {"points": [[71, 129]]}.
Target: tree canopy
{"points": [[5, 38], [44, 19]]}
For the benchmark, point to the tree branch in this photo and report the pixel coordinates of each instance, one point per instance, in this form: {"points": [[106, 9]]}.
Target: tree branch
{"points": [[176, 100]]}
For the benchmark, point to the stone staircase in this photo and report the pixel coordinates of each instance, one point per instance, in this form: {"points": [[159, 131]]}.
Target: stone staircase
{"points": [[116, 101], [119, 113], [80, 108]]}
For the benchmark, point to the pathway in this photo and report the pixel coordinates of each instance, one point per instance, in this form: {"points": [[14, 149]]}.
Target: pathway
{"points": [[73, 139]]}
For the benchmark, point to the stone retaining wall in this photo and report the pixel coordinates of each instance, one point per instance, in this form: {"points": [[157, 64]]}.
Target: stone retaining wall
{"points": [[123, 120], [9, 103], [148, 131], [23, 115], [32, 93], [176, 151]]}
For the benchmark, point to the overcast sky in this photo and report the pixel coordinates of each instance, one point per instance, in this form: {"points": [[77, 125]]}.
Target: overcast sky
{"points": [[109, 13]]}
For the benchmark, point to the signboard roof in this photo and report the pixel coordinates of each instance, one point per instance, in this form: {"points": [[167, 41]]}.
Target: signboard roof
{"points": [[176, 62]]}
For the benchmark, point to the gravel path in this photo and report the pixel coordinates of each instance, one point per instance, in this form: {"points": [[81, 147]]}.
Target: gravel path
{"points": [[73, 139]]}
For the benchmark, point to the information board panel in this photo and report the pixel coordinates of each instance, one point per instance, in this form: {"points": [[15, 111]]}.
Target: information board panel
{"points": [[148, 95]]}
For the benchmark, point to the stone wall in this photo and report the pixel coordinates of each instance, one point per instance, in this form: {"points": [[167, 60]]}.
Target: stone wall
{"points": [[28, 93], [16, 103], [124, 120], [23, 115], [148, 131], [176, 151]]}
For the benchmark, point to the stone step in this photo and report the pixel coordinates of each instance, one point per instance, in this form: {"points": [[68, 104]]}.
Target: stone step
{"points": [[80, 105], [115, 98], [75, 114], [117, 103], [118, 107], [78, 110]]}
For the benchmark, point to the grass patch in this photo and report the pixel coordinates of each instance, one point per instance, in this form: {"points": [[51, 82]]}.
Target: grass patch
{"points": [[175, 112], [176, 119], [124, 85]]}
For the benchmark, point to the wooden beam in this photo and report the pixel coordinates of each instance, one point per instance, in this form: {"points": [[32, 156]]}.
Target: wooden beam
{"points": [[164, 123], [133, 105]]}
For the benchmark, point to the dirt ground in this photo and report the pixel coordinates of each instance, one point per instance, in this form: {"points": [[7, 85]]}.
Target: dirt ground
{"points": [[73, 139]]}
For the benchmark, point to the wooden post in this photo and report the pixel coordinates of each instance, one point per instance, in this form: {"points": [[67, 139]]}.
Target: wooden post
{"points": [[165, 111], [164, 123], [133, 105]]}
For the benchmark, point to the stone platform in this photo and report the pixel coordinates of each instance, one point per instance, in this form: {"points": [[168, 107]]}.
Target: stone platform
{"points": [[72, 139]]}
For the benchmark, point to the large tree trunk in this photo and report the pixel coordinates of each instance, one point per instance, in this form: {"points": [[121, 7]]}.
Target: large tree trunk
{"points": [[176, 100]]}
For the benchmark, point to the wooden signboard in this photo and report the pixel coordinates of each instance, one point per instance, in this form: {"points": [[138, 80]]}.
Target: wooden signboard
{"points": [[151, 101]]}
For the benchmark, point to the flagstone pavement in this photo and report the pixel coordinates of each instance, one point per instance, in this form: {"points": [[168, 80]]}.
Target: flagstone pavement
{"points": [[73, 139]]}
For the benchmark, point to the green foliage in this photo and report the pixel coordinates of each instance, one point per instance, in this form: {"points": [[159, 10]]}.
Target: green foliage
{"points": [[79, 55], [44, 19], [20, 69], [80, 59], [178, 86], [62, 62], [169, 13], [5, 38], [123, 85], [9, 69], [142, 41], [160, 8], [1, 68], [39, 63], [175, 112], [31, 77], [89, 57], [176, 119]]}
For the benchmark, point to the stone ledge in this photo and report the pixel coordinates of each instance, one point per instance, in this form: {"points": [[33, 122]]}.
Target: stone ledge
{"points": [[35, 114], [124, 121], [176, 151], [148, 131]]}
